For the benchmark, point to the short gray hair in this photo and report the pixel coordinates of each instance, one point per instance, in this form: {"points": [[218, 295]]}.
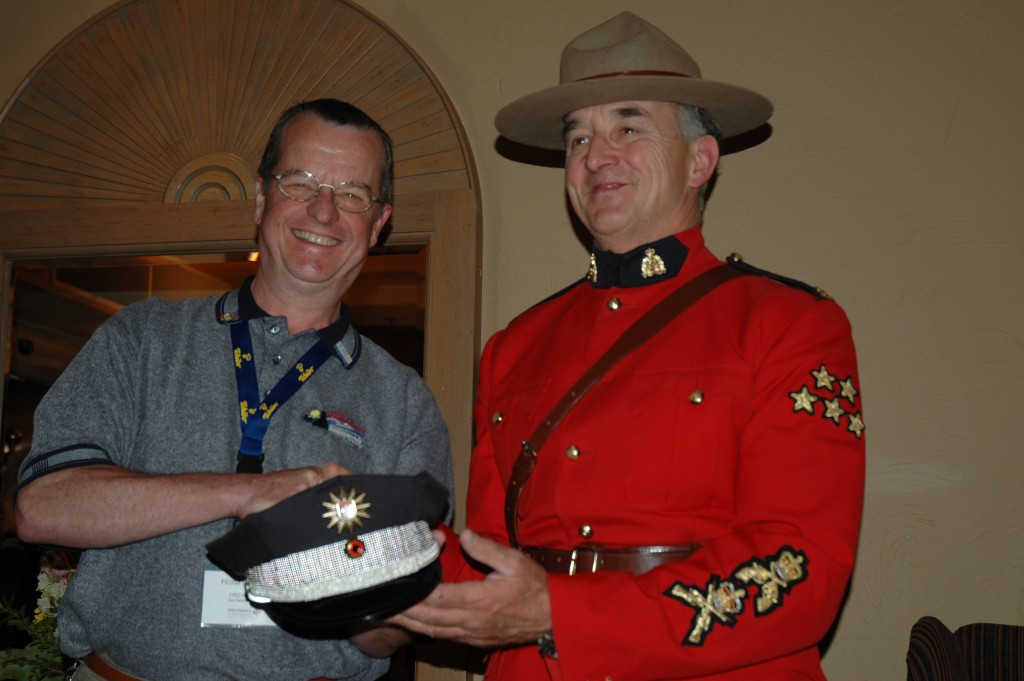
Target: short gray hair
{"points": [[693, 123]]}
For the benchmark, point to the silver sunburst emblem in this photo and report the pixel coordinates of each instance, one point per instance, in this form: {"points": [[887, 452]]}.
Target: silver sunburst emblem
{"points": [[346, 511]]}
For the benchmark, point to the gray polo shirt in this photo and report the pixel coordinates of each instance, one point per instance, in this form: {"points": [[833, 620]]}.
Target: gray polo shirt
{"points": [[154, 391]]}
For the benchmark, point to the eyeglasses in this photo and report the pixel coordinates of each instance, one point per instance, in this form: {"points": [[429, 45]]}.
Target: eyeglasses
{"points": [[302, 185]]}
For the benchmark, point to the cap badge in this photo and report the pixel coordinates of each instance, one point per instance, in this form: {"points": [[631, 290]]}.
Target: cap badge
{"points": [[652, 264], [346, 511]]}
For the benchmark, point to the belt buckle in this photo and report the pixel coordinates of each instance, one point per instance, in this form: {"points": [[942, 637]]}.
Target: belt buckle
{"points": [[575, 555]]}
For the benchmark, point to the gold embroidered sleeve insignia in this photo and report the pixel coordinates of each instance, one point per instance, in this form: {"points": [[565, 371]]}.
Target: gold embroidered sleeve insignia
{"points": [[722, 601], [776, 579]]}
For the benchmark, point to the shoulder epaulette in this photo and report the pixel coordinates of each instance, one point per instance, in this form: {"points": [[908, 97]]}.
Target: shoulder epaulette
{"points": [[736, 260]]}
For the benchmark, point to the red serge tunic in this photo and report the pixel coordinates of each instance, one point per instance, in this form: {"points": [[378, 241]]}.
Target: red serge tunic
{"points": [[737, 427]]}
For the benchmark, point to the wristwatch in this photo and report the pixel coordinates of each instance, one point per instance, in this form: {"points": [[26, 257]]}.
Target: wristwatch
{"points": [[546, 643]]}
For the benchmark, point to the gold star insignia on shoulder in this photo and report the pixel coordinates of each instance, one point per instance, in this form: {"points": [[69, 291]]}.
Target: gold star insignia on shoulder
{"points": [[847, 390], [804, 400], [652, 264], [823, 379], [346, 511], [856, 425], [833, 411]]}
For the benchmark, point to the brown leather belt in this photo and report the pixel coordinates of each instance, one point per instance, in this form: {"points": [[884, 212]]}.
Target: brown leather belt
{"points": [[588, 559], [103, 668]]}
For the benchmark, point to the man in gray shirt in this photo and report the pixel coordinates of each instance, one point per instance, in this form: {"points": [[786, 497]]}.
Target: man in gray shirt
{"points": [[145, 448]]}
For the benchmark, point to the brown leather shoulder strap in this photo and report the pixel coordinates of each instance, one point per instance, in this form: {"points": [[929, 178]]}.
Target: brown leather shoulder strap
{"points": [[650, 323]]}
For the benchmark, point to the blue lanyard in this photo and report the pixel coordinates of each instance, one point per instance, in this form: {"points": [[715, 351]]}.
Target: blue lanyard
{"points": [[255, 419]]}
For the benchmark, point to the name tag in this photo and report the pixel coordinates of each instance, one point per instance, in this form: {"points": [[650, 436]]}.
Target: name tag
{"points": [[225, 604]]}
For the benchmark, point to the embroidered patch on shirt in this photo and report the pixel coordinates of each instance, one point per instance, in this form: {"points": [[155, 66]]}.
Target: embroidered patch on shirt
{"points": [[721, 601], [784, 569], [338, 424], [830, 397]]}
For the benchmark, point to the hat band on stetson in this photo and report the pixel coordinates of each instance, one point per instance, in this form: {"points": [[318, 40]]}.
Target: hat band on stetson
{"points": [[324, 571], [616, 74]]}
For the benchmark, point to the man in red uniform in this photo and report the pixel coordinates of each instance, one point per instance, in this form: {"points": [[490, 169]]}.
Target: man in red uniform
{"points": [[695, 515]]}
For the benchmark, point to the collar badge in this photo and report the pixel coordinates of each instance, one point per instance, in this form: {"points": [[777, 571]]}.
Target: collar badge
{"points": [[652, 264]]}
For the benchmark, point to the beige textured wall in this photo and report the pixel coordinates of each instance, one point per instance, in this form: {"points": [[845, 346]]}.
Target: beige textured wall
{"points": [[892, 179]]}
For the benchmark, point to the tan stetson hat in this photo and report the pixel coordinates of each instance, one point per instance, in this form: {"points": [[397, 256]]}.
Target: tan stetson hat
{"points": [[624, 59]]}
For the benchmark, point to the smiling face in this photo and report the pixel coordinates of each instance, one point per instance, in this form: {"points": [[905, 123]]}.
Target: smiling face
{"points": [[312, 250], [631, 177]]}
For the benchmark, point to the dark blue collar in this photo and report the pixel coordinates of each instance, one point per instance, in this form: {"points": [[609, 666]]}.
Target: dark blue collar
{"points": [[644, 265]]}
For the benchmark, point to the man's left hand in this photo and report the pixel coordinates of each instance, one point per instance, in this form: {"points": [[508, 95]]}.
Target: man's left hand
{"points": [[509, 606]]}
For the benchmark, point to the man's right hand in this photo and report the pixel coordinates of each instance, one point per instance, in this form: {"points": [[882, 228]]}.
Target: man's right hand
{"points": [[269, 489], [101, 506]]}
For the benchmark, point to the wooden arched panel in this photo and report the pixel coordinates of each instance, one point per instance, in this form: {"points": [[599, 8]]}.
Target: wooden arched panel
{"points": [[152, 91], [142, 130]]}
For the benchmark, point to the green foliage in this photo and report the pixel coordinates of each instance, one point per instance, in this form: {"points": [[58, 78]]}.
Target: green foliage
{"points": [[40, 660]]}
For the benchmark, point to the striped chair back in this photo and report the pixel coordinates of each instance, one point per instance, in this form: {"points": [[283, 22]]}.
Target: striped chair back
{"points": [[993, 652], [935, 653], [975, 652]]}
